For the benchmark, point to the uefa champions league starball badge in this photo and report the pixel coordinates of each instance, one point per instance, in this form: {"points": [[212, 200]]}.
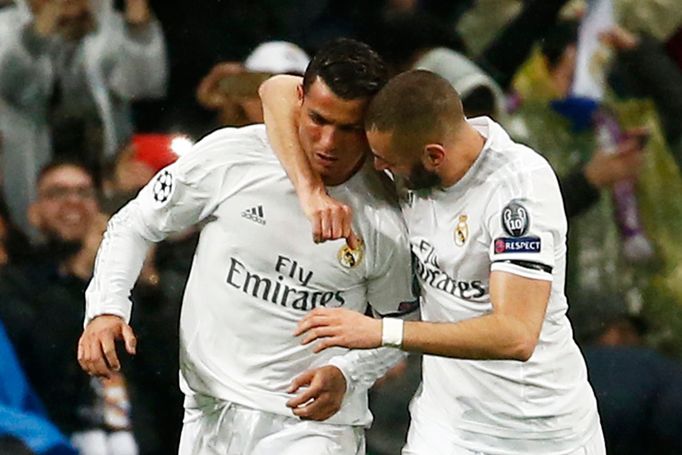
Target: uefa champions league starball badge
{"points": [[351, 258], [163, 188]]}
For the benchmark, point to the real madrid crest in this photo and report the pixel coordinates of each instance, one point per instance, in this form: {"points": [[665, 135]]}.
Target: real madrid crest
{"points": [[461, 230], [350, 258]]}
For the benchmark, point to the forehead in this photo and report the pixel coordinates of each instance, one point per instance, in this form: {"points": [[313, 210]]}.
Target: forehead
{"points": [[381, 144], [324, 102], [66, 175]]}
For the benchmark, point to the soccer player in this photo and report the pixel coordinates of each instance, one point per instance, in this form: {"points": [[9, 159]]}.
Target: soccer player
{"points": [[501, 374], [255, 275]]}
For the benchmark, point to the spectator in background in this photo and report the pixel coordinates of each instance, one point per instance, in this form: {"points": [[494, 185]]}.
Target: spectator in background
{"points": [[94, 413], [24, 428], [569, 143], [231, 88], [69, 71], [638, 390]]}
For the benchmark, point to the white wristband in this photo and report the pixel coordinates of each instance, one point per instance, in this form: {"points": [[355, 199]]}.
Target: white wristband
{"points": [[392, 332]]}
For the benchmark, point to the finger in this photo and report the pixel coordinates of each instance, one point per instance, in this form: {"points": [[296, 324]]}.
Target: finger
{"points": [[314, 410], [317, 228], [129, 339], [83, 354], [317, 333], [97, 364], [109, 350], [346, 222], [326, 226], [309, 322], [327, 343], [301, 380], [353, 241], [308, 394]]}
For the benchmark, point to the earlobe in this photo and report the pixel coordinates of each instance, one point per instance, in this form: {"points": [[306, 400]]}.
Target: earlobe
{"points": [[433, 156]]}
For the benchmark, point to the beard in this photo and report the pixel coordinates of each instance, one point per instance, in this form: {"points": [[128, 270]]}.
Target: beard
{"points": [[421, 179]]}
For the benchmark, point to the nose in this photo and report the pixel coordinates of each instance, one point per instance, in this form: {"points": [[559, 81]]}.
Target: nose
{"points": [[327, 138]]}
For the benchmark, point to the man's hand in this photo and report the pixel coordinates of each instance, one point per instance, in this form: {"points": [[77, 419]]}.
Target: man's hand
{"points": [[48, 18], [323, 396], [97, 346], [137, 12], [608, 168], [330, 218], [339, 327]]}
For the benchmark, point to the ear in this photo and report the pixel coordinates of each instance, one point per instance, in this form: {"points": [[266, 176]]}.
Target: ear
{"points": [[433, 156], [299, 93], [34, 215]]}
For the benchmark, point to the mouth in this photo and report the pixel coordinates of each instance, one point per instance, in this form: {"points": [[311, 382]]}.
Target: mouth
{"points": [[325, 159], [72, 219]]}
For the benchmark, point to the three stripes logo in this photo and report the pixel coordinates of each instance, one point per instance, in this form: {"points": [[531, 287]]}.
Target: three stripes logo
{"points": [[255, 214]]}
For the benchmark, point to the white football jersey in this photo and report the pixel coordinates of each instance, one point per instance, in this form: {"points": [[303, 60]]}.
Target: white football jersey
{"points": [[257, 271], [505, 214]]}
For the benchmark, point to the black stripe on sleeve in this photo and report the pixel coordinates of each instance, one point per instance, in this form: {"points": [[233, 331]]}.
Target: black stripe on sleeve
{"points": [[529, 265]]}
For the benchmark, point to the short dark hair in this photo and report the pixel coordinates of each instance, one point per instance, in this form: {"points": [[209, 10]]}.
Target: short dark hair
{"points": [[63, 162], [417, 103], [350, 68]]}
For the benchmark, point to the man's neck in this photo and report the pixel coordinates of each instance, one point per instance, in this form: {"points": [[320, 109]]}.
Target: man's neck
{"points": [[464, 151], [343, 178]]}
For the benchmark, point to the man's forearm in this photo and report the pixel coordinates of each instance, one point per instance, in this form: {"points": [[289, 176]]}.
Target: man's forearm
{"points": [[279, 112], [362, 368], [489, 337], [118, 264]]}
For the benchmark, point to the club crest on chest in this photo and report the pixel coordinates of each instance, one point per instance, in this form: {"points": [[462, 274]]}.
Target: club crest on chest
{"points": [[461, 230], [351, 258]]}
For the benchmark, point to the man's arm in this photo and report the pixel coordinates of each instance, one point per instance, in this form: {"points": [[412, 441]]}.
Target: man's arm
{"points": [[141, 66], [509, 332], [330, 218], [178, 196]]}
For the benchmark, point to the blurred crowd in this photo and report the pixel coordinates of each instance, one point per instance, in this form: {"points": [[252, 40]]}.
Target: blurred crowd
{"points": [[96, 96]]}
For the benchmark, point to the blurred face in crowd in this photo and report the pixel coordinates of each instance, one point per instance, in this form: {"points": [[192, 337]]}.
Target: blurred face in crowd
{"points": [[66, 204], [75, 16], [331, 132]]}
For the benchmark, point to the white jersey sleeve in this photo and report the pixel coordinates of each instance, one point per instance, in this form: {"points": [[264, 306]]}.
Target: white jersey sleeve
{"points": [[525, 221], [180, 195]]}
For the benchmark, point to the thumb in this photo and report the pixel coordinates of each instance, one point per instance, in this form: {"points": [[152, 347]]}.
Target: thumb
{"points": [[302, 379], [129, 339]]}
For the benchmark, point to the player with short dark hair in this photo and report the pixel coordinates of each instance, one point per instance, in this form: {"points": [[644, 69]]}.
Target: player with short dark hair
{"points": [[501, 372], [251, 386]]}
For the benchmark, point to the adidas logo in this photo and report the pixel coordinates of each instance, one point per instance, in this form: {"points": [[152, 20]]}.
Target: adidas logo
{"points": [[255, 214]]}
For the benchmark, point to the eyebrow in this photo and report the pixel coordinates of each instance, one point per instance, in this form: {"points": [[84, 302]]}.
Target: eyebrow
{"points": [[382, 158], [327, 120]]}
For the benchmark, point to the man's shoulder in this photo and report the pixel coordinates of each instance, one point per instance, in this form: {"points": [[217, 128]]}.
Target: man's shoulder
{"points": [[513, 161], [226, 146]]}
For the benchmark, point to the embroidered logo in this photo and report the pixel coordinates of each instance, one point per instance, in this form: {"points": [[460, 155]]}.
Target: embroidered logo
{"points": [[351, 258], [461, 230], [164, 185], [515, 219], [255, 214], [518, 245]]}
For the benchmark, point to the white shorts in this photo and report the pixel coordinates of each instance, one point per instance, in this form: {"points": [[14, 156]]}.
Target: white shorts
{"points": [[429, 440], [223, 428]]}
